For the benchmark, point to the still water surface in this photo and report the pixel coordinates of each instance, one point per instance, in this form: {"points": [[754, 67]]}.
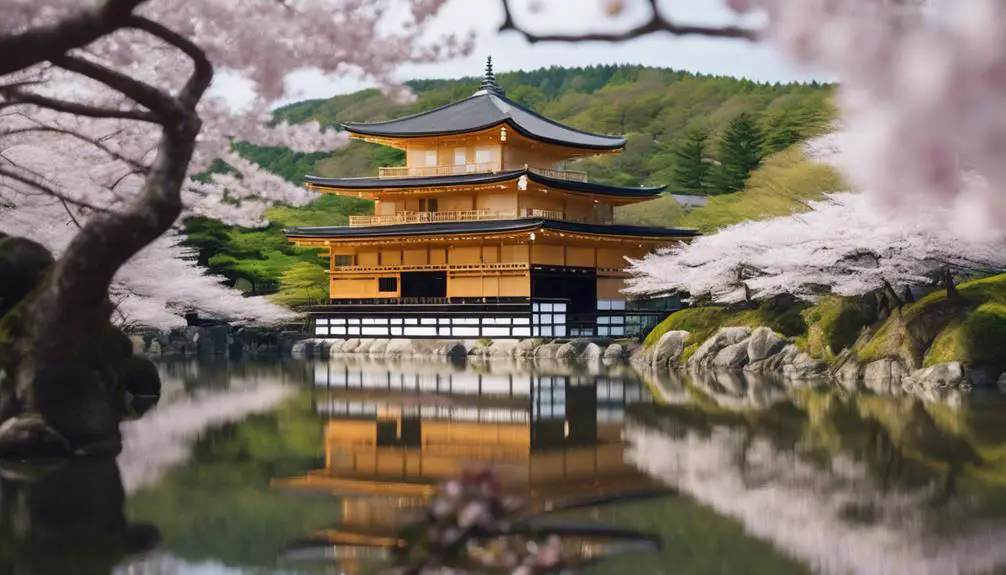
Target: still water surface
{"points": [[310, 467]]}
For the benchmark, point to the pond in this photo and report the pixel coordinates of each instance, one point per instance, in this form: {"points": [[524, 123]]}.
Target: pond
{"points": [[314, 466]]}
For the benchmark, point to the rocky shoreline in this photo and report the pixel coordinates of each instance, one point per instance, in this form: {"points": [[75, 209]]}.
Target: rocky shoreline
{"points": [[762, 351], [573, 351]]}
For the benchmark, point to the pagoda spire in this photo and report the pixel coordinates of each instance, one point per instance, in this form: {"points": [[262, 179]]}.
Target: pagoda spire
{"points": [[489, 80]]}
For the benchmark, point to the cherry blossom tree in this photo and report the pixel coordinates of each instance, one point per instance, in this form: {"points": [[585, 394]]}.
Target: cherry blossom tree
{"points": [[843, 245], [107, 111]]}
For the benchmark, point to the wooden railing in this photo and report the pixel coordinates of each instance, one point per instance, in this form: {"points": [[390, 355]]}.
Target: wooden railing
{"points": [[483, 168], [571, 175], [468, 216], [429, 217], [428, 171], [481, 267]]}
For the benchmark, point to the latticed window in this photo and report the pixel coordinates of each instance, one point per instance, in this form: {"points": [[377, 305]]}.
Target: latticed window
{"points": [[387, 284], [343, 261]]}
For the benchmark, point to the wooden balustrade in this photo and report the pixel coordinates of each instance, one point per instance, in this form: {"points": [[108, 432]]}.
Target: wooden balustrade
{"points": [[483, 168], [430, 171], [482, 267], [468, 216], [570, 175]]}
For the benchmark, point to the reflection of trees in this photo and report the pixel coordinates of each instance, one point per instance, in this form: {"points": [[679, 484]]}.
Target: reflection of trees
{"points": [[911, 470]]}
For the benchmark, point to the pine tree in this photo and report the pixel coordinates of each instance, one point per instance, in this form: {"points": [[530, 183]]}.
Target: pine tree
{"points": [[691, 168], [741, 150]]}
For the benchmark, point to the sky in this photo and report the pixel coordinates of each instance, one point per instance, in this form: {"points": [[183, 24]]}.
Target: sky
{"points": [[510, 51]]}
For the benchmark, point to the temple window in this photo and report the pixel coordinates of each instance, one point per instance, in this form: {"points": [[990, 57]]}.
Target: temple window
{"points": [[387, 284]]}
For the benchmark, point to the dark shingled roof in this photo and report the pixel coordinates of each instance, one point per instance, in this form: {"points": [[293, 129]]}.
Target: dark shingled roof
{"points": [[485, 109], [486, 227], [438, 181]]}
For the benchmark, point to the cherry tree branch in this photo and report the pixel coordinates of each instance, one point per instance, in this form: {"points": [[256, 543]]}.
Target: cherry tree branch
{"points": [[203, 69], [146, 95], [657, 23], [77, 135], [39, 44], [47, 189], [19, 97]]}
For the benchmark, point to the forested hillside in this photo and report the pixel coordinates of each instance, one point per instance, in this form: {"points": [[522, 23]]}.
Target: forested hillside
{"points": [[698, 134]]}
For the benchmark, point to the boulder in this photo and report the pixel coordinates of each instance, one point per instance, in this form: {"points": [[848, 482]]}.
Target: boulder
{"points": [[668, 348], [398, 348], [23, 263], [731, 383], [722, 338], [571, 350], [454, 350], [884, 376], [546, 351], [943, 376], [350, 345], [849, 375], [378, 347], [526, 347], [732, 357], [613, 353], [503, 349], [591, 353], [155, 348], [763, 343], [804, 366]]}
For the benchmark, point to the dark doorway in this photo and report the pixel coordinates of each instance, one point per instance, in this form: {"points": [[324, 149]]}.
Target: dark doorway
{"points": [[424, 284], [577, 286]]}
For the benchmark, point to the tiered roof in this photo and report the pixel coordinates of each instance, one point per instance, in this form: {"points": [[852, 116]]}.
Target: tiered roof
{"points": [[486, 108]]}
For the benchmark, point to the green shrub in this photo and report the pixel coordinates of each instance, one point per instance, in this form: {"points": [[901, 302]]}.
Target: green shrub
{"points": [[985, 334]]}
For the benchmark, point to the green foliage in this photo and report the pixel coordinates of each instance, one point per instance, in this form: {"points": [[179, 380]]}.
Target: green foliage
{"points": [[654, 107], [662, 211], [290, 165], [691, 170], [834, 324], [783, 185], [303, 284], [741, 150]]}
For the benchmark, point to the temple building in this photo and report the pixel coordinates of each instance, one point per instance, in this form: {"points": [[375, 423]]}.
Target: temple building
{"points": [[485, 232]]}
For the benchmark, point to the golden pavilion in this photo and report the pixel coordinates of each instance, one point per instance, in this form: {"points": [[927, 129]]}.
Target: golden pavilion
{"points": [[485, 232]]}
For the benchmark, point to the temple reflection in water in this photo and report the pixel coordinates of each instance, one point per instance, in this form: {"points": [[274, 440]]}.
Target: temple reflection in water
{"points": [[393, 434]]}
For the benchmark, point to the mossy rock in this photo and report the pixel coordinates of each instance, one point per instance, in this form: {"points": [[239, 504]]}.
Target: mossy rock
{"points": [[23, 264], [835, 324]]}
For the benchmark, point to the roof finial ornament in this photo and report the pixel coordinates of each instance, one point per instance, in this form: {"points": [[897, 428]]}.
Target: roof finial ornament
{"points": [[489, 80]]}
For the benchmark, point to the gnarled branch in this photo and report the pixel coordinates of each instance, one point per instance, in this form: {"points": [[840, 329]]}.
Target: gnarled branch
{"points": [[19, 97], [657, 23], [40, 44], [202, 73], [154, 99]]}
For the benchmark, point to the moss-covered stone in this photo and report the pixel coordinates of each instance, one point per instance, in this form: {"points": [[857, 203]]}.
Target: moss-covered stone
{"points": [[834, 324], [23, 264]]}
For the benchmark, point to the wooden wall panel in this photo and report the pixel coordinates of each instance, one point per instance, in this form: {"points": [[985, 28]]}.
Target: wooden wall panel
{"points": [[515, 253], [580, 257], [540, 202], [454, 203], [464, 286], [465, 255], [367, 258], [610, 288], [415, 257], [490, 254], [438, 256], [611, 258], [515, 286], [503, 202], [547, 254], [391, 257]]}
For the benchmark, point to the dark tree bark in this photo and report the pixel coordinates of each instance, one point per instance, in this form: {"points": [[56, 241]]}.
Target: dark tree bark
{"points": [[66, 368]]}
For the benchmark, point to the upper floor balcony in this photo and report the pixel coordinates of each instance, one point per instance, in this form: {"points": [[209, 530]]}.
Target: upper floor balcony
{"points": [[471, 216], [483, 168]]}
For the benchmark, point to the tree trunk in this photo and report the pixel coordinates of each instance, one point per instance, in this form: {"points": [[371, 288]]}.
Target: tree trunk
{"points": [[948, 283], [72, 363]]}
